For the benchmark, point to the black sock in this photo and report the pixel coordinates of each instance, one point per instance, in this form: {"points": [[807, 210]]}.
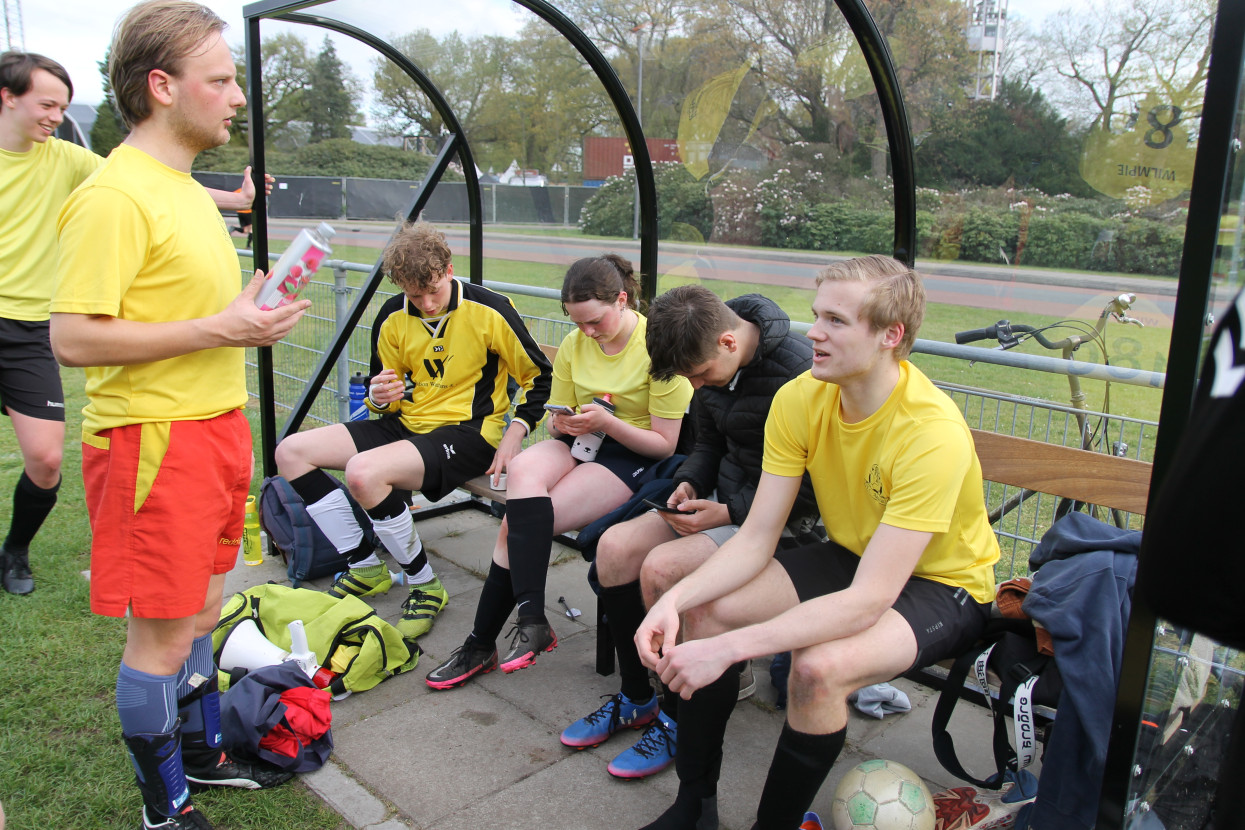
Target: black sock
{"points": [[529, 541], [688, 812], [624, 606], [496, 603], [313, 486], [702, 728], [31, 505], [800, 766]]}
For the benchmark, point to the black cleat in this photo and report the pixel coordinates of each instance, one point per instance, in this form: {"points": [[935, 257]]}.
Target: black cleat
{"points": [[215, 768]]}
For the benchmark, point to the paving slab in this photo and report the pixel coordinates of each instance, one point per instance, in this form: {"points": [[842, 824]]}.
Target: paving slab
{"points": [[488, 754]]}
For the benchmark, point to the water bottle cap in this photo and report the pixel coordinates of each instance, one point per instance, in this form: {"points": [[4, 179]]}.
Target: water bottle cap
{"points": [[358, 377], [325, 230]]}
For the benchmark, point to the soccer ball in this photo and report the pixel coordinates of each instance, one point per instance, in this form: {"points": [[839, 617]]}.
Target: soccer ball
{"points": [[882, 795]]}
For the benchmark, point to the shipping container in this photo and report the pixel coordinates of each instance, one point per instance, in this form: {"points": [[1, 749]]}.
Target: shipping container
{"points": [[605, 157]]}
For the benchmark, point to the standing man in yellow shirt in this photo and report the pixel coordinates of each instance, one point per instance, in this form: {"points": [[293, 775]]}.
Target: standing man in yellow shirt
{"points": [[146, 297], [905, 579], [37, 174]]}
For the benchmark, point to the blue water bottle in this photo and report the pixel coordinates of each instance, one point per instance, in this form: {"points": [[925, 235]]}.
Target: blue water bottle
{"points": [[358, 394]]}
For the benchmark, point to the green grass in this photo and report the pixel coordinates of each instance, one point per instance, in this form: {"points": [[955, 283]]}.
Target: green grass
{"points": [[62, 763]]}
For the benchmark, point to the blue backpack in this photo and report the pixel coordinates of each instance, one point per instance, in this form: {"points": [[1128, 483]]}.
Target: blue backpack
{"points": [[307, 552]]}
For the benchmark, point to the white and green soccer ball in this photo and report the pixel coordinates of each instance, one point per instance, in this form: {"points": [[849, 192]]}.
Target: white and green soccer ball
{"points": [[882, 795]]}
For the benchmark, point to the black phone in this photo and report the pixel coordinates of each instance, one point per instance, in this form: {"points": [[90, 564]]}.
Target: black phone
{"points": [[662, 508]]}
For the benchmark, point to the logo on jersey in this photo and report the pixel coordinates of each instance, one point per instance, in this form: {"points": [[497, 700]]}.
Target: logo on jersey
{"points": [[438, 349], [873, 483], [435, 367], [449, 451]]}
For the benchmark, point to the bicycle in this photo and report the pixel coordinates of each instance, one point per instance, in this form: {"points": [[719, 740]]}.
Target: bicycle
{"points": [[1093, 437]]}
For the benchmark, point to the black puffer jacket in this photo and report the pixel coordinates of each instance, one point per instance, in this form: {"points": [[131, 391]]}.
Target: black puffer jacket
{"points": [[730, 425]]}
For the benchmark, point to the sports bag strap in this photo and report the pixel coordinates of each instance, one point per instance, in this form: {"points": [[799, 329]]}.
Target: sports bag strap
{"points": [[944, 746]]}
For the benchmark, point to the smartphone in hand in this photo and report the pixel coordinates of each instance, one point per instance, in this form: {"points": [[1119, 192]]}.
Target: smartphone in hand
{"points": [[664, 508], [559, 408]]}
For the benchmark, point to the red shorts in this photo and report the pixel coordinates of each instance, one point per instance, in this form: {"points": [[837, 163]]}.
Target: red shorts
{"points": [[166, 502]]}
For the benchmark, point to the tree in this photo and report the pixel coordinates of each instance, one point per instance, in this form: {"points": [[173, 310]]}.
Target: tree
{"points": [[108, 130], [286, 71], [1017, 139], [1104, 60], [465, 70], [332, 94]]}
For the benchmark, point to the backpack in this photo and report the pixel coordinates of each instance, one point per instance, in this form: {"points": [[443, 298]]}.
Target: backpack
{"points": [[1027, 678], [345, 634], [307, 552]]}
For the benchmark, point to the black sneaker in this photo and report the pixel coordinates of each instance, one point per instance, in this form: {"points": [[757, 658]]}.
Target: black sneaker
{"points": [[16, 574], [216, 769], [530, 639], [188, 819], [465, 662]]}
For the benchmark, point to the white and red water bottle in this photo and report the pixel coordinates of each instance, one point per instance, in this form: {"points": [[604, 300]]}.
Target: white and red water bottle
{"points": [[296, 267]]}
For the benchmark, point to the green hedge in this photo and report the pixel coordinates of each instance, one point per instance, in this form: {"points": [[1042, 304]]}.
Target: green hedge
{"points": [[684, 210]]}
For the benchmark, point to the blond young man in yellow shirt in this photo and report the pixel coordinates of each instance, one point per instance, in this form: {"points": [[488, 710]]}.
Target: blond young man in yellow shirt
{"points": [[905, 579]]}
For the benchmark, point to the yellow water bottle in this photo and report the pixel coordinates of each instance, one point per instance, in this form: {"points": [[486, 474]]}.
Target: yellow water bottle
{"points": [[252, 551]]}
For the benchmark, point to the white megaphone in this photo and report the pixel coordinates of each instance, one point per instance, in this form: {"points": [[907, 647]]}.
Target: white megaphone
{"points": [[246, 648]]}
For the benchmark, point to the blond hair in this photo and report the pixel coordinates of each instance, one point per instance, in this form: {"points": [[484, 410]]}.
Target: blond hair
{"points": [[896, 294]]}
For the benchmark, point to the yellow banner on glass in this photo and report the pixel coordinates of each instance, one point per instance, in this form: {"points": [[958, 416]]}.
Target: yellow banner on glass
{"points": [[1148, 164], [704, 112]]}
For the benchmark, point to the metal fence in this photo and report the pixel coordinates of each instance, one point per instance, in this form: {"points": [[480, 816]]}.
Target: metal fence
{"points": [[1021, 520]]}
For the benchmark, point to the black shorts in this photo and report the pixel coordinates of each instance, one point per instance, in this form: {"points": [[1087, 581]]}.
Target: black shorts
{"points": [[627, 465], [945, 620], [452, 454], [30, 377]]}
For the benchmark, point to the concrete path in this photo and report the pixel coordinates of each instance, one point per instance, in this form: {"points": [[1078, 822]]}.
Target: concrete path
{"points": [[487, 754]]}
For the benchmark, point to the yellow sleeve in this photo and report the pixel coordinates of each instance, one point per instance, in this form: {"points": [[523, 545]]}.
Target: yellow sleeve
{"points": [[103, 239], [669, 398], [786, 433]]}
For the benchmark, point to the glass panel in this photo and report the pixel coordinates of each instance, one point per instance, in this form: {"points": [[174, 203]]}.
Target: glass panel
{"points": [[1191, 701]]}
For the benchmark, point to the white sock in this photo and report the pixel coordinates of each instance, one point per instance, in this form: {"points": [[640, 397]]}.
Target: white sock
{"points": [[400, 537], [333, 515]]}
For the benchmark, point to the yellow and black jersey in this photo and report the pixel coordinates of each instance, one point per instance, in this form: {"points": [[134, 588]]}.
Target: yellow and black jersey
{"points": [[456, 365]]}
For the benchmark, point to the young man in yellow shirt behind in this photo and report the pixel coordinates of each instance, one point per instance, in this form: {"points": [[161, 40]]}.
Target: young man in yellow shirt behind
{"points": [[37, 174], [146, 298]]}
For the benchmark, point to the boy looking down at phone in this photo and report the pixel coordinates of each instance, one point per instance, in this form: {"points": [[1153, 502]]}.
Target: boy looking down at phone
{"points": [[736, 355], [456, 344]]}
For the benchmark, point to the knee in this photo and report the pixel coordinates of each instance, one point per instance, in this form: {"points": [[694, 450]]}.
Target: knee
{"points": [[660, 571], [287, 455], [43, 466], [360, 476], [816, 675], [702, 621], [615, 555]]}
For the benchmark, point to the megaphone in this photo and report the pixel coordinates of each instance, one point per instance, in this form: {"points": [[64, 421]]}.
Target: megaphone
{"points": [[246, 648]]}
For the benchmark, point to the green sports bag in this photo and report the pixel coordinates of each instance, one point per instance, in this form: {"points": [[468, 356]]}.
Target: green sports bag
{"points": [[345, 634]]}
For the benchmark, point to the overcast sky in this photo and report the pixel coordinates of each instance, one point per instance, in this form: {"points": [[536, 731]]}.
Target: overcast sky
{"points": [[77, 32]]}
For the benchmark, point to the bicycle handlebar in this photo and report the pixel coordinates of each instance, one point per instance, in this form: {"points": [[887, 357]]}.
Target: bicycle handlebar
{"points": [[973, 335], [1006, 333]]}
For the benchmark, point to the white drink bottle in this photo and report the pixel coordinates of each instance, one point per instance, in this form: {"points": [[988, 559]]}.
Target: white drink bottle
{"points": [[296, 267]]}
